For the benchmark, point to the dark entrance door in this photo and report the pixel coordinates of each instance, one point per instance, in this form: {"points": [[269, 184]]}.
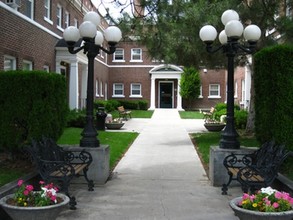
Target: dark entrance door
{"points": [[166, 95]]}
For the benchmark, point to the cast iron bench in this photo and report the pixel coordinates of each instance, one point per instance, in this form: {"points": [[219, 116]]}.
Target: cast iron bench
{"points": [[124, 113], [256, 170], [60, 166]]}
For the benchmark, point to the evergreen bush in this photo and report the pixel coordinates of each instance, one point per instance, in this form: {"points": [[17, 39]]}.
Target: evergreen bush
{"points": [[33, 104]]}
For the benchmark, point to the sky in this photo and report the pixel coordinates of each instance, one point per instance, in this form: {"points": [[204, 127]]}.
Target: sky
{"points": [[114, 8]]}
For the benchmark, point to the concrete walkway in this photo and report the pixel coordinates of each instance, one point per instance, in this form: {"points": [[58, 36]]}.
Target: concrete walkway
{"points": [[160, 177]]}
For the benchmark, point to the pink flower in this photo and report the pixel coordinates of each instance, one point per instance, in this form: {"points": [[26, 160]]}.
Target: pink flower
{"points": [[26, 192], [41, 182], [29, 188], [252, 197], [245, 196], [20, 182], [53, 198], [275, 205], [278, 195]]}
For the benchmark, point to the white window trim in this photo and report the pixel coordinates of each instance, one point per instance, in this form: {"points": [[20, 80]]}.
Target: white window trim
{"points": [[215, 96], [32, 9], [13, 59], [138, 60], [135, 96], [236, 90], [30, 63], [59, 17], [48, 7], [46, 68], [101, 89], [97, 88], [118, 96], [67, 19], [200, 92], [117, 60]]}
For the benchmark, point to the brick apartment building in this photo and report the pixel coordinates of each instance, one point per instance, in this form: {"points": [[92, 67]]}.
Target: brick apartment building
{"points": [[31, 38]]}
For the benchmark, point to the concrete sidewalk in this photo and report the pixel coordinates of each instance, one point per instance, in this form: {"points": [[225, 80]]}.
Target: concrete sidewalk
{"points": [[160, 177]]}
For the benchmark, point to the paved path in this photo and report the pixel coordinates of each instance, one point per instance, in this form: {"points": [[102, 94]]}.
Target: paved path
{"points": [[160, 177]]}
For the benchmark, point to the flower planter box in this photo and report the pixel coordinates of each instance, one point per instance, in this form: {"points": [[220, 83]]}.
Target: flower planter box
{"points": [[214, 126]]}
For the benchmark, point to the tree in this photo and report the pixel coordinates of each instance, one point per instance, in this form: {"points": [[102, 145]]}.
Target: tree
{"points": [[190, 84]]}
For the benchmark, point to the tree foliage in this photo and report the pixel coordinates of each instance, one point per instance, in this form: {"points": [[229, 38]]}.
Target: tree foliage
{"points": [[190, 84]]}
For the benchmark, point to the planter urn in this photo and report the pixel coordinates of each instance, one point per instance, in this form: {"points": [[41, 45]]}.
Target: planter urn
{"points": [[49, 212], [244, 214]]}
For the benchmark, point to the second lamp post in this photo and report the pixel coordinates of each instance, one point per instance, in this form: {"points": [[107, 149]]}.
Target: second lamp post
{"points": [[229, 38]]}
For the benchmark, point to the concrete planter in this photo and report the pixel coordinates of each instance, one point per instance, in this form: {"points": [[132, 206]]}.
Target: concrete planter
{"points": [[114, 125], [214, 126], [244, 214], [50, 212]]}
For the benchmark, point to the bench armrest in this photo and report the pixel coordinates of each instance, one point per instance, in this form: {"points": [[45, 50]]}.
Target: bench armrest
{"points": [[78, 157], [239, 160]]}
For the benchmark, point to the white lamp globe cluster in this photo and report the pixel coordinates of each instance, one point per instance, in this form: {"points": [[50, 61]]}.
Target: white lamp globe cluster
{"points": [[88, 30], [233, 29]]}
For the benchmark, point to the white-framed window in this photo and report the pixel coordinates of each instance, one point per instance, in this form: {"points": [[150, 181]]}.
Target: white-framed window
{"points": [[47, 16], [119, 55], [27, 65], [75, 22], [101, 89], [200, 92], [243, 90], [67, 19], [136, 55], [46, 68], [59, 16], [97, 88], [29, 8], [9, 63], [135, 90], [214, 91], [118, 90], [236, 90]]}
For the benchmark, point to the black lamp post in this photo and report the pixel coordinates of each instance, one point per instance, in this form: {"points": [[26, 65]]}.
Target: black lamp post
{"points": [[92, 41], [230, 46]]}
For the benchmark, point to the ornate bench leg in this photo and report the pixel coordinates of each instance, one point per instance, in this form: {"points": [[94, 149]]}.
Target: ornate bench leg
{"points": [[225, 185], [90, 182]]}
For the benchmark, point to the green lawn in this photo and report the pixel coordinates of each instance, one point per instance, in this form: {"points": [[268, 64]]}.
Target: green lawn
{"points": [[119, 142], [190, 115], [135, 114], [8, 175]]}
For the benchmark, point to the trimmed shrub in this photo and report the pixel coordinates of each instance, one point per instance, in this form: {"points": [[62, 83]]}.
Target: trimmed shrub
{"points": [[143, 105], [76, 118], [273, 79], [241, 119], [33, 104]]}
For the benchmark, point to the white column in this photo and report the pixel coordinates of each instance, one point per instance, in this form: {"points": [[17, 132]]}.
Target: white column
{"points": [[153, 94], [179, 98], [73, 86]]}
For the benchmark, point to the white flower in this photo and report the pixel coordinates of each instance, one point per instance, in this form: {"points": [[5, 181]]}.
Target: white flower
{"points": [[268, 190]]}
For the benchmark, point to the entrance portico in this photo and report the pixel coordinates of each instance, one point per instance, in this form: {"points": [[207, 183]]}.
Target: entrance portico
{"points": [[165, 87]]}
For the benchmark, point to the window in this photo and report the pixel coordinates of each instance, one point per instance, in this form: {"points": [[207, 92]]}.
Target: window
{"points": [[97, 88], [118, 90], [214, 91], [135, 89], [101, 89], [47, 6], [27, 65], [236, 90], [67, 19], [243, 90], [200, 92], [29, 8], [9, 63], [119, 55], [59, 16], [136, 54], [46, 68], [75, 22]]}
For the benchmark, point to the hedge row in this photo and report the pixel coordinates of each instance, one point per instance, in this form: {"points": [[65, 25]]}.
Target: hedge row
{"points": [[33, 103], [112, 104], [273, 79]]}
